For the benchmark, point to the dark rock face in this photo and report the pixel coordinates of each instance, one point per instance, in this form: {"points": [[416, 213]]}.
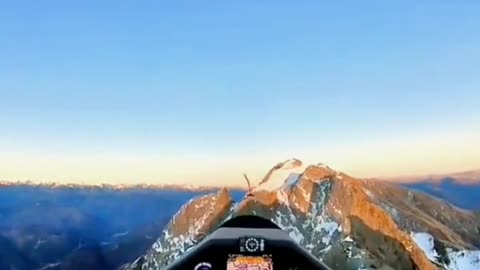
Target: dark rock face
{"points": [[385, 249], [12, 258], [90, 257]]}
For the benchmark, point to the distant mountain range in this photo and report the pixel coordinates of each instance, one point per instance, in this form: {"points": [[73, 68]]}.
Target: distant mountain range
{"points": [[467, 178], [461, 189], [103, 186]]}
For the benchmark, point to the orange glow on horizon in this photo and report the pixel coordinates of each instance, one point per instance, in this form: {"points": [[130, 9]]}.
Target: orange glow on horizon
{"points": [[395, 157]]}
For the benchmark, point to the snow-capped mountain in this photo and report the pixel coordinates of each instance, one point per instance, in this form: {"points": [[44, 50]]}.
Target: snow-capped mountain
{"points": [[348, 223]]}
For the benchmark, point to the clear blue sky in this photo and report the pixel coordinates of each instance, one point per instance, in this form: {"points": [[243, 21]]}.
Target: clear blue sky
{"points": [[224, 79]]}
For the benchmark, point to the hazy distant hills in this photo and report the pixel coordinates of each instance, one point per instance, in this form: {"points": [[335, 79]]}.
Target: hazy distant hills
{"points": [[467, 178], [461, 189], [79, 227], [11, 257]]}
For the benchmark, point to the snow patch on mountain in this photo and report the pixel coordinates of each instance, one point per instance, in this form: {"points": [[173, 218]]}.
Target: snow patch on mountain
{"points": [[464, 260], [348, 239], [286, 222], [316, 231], [459, 260], [50, 266], [369, 194], [174, 245], [39, 243], [287, 174], [425, 242], [328, 228], [168, 249], [121, 234]]}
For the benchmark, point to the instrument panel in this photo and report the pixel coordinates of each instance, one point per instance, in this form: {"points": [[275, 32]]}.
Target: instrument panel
{"points": [[241, 248], [241, 262]]}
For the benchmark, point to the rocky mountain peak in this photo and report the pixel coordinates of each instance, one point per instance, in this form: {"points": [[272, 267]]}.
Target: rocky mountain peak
{"points": [[196, 217], [348, 223], [280, 174], [318, 172]]}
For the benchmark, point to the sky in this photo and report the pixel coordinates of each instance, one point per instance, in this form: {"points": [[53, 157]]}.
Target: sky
{"points": [[200, 92]]}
